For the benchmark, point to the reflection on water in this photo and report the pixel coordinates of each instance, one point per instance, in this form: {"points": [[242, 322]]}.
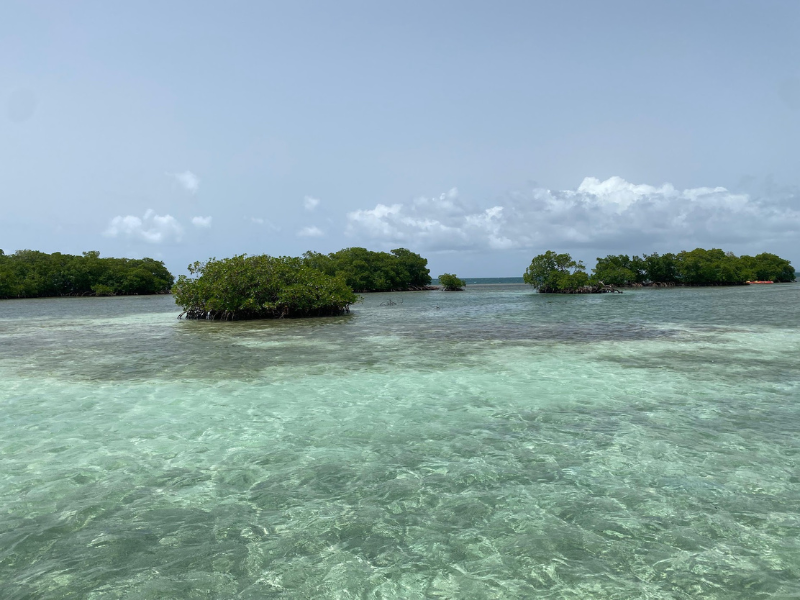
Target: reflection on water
{"points": [[493, 443]]}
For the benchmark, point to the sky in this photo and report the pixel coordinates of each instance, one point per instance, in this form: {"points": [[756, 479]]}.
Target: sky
{"points": [[478, 134]]}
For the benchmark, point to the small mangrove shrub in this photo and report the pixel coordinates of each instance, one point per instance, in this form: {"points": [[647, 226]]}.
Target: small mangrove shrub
{"points": [[259, 287], [451, 283]]}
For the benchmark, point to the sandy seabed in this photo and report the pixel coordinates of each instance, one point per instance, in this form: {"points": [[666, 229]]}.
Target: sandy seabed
{"points": [[492, 444]]}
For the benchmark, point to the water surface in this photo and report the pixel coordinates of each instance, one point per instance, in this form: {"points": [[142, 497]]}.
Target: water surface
{"points": [[491, 443]]}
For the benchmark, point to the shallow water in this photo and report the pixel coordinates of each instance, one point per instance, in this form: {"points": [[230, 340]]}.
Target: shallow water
{"points": [[492, 443]]}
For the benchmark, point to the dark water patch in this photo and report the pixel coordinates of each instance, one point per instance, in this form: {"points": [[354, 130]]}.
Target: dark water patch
{"points": [[703, 360], [143, 351]]}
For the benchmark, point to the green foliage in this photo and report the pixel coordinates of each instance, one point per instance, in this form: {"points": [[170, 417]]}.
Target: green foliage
{"points": [[246, 287], [451, 283], [551, 272], [661, 268], [253, 287], [367, 271], [703, 267], [768, 267], [102, 290], [618, 270], [695, 267], [32, 274]]}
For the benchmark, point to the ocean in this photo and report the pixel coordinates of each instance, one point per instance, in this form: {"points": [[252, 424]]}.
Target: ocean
{"points": [[490, 443], [487, 280]]}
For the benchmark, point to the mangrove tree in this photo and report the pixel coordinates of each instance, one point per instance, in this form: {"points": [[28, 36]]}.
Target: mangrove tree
{"points": [[257, 287], [451, 283]]}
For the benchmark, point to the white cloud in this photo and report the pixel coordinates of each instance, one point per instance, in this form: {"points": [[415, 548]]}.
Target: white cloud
{"points": [[151, 228], [379, 222], [202, 222], [598, 214], [311, 231], [187, 180], [310, 203]]}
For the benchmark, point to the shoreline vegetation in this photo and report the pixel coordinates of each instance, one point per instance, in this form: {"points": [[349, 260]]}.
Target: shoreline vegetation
{"points": [[552, 273], [265, 287], [33, 274]]}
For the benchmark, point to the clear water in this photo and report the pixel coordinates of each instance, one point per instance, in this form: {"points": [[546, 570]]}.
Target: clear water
{"points": [[491, 443]]}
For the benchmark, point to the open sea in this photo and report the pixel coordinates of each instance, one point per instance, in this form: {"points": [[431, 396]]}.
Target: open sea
{"points": [[491, 443]]}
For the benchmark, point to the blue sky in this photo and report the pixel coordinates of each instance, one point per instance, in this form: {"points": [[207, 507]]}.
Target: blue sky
{"points": [[478, 134]]}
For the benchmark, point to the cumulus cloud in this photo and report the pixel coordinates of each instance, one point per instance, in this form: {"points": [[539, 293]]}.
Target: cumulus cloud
{"points": [[311, 231], [201, 222], [187, 180], [598, 214], [310, 203], [151, 228]]}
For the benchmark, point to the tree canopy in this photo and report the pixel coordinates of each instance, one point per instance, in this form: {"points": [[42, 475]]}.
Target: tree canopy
{"points": [[695, 267], [253, 287], [368, 271], [618, 270], [32, 274], [551, 272], [767, 267], [451, 283]]}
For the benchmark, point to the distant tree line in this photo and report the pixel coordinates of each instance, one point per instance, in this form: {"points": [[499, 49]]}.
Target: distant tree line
{"points": [[32, 274], [368, 271], [698, 267], [552, 272]]}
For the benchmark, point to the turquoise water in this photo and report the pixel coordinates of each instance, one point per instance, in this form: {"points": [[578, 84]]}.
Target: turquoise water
{"points": [[491, 443]]}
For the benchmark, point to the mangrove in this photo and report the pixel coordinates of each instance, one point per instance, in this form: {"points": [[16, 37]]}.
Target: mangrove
{"points": [[368, 271], [451, 283], [260, 287], [33, 274], [559, 273]]}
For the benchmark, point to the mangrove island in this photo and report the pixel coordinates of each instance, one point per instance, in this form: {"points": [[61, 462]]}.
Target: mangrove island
{"points": [[259, 287], [32, 274], [559, 273]]}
